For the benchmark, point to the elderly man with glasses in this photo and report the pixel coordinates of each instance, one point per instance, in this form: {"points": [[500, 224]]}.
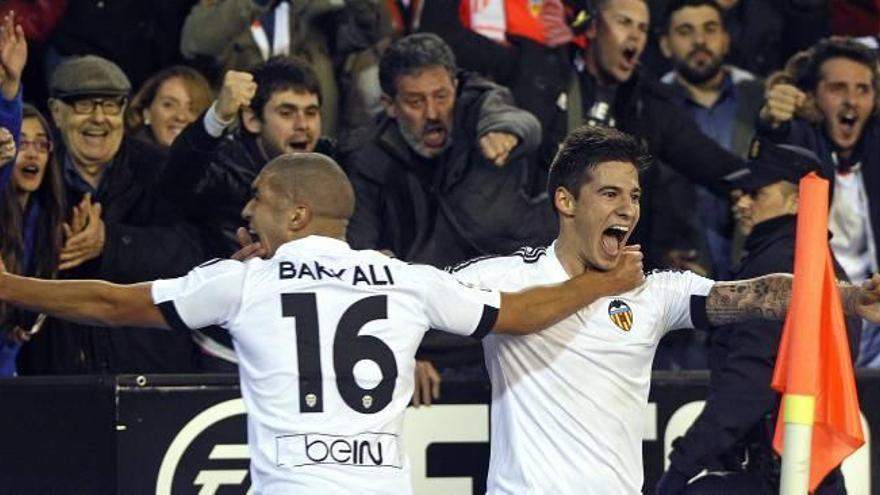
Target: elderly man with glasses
{"points": [[120, 228]]}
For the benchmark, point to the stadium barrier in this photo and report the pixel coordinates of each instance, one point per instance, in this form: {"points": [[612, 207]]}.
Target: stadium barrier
{"points": [[181, 434]]}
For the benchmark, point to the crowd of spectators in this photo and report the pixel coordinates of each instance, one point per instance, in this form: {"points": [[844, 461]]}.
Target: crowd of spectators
{"points": [[146, 123]]}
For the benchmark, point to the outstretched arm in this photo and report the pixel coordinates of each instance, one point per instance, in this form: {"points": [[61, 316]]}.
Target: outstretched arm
{"points": [[91, 302], [768, 297]]}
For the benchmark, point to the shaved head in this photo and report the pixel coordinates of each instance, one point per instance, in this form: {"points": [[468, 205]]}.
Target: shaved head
{"points": [[314, 180]]}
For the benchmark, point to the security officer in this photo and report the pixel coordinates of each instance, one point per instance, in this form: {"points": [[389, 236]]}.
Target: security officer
{"points": [[732, 437]]}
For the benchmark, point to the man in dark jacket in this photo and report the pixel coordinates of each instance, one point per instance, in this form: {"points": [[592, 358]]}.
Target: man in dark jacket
{"points": [[828, 104], [444, 175], [734, 432], [723, 100], [123, 230], [211, 166]]}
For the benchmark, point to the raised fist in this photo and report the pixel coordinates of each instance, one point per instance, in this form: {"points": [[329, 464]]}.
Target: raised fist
{"points": [[783, 100], [237, 92]]}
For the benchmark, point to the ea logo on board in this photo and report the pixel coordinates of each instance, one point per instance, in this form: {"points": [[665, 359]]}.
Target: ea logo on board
{"points": [[208, 453], [620, 314]]}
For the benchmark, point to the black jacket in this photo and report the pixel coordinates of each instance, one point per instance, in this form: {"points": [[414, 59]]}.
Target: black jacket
{"points": [[456, 206], [741, 407], [145, 240], [209, 180]]}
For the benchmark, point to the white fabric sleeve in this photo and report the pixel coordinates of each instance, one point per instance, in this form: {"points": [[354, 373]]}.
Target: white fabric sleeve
{"points": [[210, 294], [683, 297], [213, 125], [456, 306]]}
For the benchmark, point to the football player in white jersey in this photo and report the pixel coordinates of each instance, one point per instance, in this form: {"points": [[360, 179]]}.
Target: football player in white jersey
{"points": [[569, 403], [326, 336]]}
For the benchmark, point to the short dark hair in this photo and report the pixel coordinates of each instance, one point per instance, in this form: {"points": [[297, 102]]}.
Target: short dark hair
{"points": [[586, 148], [836, 47], [675, 5], [282, 73], [411, 54], [598, 5]]}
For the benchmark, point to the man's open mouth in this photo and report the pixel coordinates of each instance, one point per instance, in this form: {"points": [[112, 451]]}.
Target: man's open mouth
{"points": [[848, 120], [298, 144], [435, 136], [613, 239], [629, 54]]}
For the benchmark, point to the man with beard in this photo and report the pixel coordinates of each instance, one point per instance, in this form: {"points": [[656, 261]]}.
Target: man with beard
{"points": [[449, 146], [830, 108], [443, 175], [608, 89], [724, 102], [212, 164]]}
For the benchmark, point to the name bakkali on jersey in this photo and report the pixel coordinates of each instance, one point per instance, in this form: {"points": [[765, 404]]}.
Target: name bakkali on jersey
{"points": [[326, 340]]}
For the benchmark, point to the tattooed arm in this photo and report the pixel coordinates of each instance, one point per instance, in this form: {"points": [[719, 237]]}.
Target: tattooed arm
{"points": [[767, 297]]}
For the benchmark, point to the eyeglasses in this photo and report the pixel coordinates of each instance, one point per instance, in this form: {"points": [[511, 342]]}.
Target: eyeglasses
{"points": [[38, 145], [85, 106]]}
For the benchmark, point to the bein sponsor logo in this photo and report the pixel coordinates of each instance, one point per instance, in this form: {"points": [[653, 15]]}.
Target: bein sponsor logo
{"points": [[365, 449]]}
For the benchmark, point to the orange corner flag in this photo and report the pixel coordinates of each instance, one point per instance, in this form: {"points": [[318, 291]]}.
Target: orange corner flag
{"points": [[814, 358]]}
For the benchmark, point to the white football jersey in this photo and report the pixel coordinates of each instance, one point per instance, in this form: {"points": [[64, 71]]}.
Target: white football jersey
{"points": [[569, 402], [326, 339]]}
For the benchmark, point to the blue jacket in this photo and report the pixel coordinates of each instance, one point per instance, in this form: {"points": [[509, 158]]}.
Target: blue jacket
{"points": [[10, 118]]}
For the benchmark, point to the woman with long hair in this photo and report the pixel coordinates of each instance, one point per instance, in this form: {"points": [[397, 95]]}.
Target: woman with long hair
{"points": [[32, 210], [166, 103]]}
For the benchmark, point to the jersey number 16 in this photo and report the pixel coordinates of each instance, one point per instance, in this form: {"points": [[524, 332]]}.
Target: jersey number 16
{"points": [[348, 349]]}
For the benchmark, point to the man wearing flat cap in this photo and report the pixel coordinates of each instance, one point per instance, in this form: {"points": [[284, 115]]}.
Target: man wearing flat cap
{"points": [[732, 437], [121, 229]]}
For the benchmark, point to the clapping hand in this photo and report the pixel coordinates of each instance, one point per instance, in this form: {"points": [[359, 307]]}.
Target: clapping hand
{"points": [[85, 235]]}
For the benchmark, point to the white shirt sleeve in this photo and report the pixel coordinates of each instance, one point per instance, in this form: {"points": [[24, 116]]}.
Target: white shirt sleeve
{"points": [[683, 296], [213, 125], [458, 307], [209, 294]]}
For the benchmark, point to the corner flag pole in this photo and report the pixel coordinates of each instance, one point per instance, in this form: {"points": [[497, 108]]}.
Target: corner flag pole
{"points": [[798, 437], [819, 425]]}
